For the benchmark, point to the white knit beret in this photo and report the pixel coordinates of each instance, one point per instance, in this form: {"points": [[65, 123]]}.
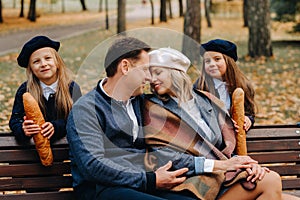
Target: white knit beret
{"points": [[170, 58]]}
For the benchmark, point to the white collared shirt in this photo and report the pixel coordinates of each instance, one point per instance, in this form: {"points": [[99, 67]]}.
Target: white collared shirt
{"points": [[48, 89], [191, 108], [129, 109], [223, 92]]}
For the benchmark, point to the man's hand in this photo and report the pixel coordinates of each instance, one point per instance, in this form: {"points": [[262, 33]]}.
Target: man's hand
{"points": [[166, 179]]}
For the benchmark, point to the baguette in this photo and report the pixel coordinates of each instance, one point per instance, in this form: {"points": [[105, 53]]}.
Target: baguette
{"points": [[238, 115], [42, 144]]}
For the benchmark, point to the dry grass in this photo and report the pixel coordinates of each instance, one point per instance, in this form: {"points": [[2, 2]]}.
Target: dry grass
{"points": [[12, 21]]}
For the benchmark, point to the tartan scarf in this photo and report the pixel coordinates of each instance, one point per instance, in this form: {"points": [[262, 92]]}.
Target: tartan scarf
{"points": [[165, 129]]}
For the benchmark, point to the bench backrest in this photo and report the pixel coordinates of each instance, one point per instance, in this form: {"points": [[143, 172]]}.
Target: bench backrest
{"points": [[278, 148], [21, 170]]}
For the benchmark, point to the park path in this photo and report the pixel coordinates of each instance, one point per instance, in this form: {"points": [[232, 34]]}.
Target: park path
{"points": [[13, 41]]}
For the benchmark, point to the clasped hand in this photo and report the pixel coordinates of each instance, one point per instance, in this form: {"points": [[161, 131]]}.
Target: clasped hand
{"points": [[255, 171], [30, 128]]}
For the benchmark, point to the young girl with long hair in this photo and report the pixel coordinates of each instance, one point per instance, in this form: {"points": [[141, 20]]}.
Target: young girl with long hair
{"points": [[221, 76], [49, 82]]}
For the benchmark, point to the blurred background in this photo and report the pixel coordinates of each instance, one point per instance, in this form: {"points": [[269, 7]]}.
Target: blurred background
{"points": [[267, 34]]}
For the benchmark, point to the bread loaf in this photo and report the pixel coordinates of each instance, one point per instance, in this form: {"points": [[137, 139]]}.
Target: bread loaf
{"points": [[238, 115], [42, 144]]}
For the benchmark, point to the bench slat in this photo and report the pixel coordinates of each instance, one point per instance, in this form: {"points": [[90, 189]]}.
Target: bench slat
{"points": [[35, 183], [276, 157], [273, 132], [66, 195], [291, 184], [273, 145], [34, 169], [26, 155], [8, 140], [286, 170]]}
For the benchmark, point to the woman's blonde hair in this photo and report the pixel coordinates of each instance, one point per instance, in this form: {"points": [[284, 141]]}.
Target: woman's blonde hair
{"points": [[234, 78], [182, 86], [63, 98]]}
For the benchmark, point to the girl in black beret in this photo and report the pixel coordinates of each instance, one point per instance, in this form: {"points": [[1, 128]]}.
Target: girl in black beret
{"points": [[221, 76], [48, 81]]}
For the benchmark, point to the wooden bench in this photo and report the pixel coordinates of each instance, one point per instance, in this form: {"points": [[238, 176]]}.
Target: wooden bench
{"points": [[277, 147], [21, 171]]}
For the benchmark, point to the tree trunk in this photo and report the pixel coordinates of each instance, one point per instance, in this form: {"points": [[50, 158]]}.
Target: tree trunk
{"points": [[22, 9], [152, 11], [83, 5], [192, 28], [100, 5], [121, 21], [163, 11], [180, 8], [106, 15], [63, 8], [260, 43], [32, 11], [245, 13], [1, 19], [207, 12], [170, 9]]}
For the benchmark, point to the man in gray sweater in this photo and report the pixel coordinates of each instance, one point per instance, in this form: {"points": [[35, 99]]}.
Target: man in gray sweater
{"points": [[104, 130]]}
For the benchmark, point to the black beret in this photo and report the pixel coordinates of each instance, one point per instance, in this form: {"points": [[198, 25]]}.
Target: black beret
{"points": [[221, 46], [33, 45]]}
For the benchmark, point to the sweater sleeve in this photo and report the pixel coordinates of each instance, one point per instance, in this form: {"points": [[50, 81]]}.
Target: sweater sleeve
{"points": [[59, 129], [88, 152], [17, 116], [179, 160]]}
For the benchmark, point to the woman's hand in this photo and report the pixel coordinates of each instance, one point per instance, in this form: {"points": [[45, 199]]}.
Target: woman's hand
{"points": [[30, 128], [256, 172], [247, 123], [234, 163], [48, 130]]}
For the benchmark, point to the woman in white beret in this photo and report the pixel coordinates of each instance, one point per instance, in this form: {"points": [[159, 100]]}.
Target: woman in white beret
{"points": [[178, 118]]}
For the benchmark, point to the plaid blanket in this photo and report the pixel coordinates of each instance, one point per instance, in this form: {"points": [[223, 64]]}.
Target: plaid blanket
{"points": [[165, 129]]}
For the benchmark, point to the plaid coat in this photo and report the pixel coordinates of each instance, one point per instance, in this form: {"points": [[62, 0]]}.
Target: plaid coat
{"points": [[169, 128]]}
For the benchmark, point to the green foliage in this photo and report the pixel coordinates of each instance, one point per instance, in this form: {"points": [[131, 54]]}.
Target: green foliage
{"points": [[53, 1], [285, 10]]}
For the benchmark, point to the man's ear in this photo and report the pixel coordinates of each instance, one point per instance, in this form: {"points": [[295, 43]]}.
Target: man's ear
{"points": [[124, 66]]}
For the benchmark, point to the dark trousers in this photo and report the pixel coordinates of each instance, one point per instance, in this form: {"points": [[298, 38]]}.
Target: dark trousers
{"points": [[121, 193]]}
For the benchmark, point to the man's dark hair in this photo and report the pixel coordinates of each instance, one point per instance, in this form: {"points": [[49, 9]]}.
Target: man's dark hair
{"points": [[125, 47]]}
